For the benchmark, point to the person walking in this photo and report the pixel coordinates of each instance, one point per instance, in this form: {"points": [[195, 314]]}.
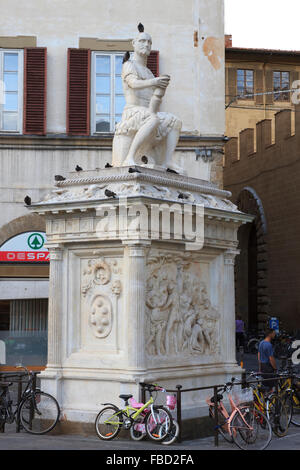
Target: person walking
{"points": [[266, 361], [239, 332]]}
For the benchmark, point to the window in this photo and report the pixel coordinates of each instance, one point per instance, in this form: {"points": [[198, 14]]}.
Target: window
{"points": [[107, 91], [281, 81], [11, 92], [245, 83]]}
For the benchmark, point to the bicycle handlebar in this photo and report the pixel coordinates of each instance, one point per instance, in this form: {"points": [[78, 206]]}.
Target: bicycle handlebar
{"points": [[152, 387]]}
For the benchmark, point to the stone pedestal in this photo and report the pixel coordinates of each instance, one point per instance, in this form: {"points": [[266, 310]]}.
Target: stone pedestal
{"points": [[133, 298]]}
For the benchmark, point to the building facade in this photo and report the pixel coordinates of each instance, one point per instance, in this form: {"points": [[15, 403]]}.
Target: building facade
{"points": [[257, 84], [261, 172], [61, 99], [264, 182]]}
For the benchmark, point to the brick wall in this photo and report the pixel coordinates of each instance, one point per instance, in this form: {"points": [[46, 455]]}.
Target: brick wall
{"points": [[273, 171]]}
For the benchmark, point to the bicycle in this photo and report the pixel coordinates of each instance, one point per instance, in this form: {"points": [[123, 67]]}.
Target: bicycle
{"points": [[156, 418], [138, 429], [246, 426], [270, 404], [37, 412], [289, 390]]}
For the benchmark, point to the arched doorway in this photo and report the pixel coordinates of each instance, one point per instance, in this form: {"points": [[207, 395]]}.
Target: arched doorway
{"points": [[251, 267]]}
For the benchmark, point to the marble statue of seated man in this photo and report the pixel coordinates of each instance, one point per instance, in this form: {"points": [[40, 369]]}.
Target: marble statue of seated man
{"points": [[143, 130]]}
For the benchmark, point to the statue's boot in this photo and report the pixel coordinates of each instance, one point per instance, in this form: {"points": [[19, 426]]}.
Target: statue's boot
{"points": [[129, 162]]}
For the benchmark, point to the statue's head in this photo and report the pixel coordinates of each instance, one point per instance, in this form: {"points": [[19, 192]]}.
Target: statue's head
{"points": [[143, 42]]}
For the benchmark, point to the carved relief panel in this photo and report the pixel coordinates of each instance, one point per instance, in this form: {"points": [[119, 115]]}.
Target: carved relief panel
{"points": [[181, 319], [101, 288]]}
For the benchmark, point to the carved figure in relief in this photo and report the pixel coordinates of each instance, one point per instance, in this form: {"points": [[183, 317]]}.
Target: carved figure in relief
{"points": [[157, 301]]}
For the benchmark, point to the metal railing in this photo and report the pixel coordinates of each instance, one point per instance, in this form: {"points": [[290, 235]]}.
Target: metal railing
{"points": [[180, 390]]}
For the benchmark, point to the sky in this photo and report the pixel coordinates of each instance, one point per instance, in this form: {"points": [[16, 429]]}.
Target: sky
{"points": [[269, 24]]}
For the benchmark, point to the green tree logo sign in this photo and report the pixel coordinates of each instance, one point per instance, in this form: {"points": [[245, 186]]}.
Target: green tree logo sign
{"points": [[35, 241]]}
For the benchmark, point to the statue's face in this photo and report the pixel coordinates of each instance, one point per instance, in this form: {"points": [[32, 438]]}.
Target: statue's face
{"points": [[142, 44]]}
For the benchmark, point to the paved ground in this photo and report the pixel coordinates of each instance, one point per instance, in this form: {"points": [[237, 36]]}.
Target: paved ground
{"points": [[23, 441]]}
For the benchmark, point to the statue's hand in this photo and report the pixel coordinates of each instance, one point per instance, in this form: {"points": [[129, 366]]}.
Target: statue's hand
{"points": [[162, 82]]}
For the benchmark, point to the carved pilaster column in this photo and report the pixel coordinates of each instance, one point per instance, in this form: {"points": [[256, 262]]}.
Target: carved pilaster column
{"points": [[135, 295], [55, 307], [229, 305]]}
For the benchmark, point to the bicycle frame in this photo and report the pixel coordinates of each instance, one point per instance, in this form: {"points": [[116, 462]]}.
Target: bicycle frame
{"points": [[13, 415], [234, 410], [126, 412]]}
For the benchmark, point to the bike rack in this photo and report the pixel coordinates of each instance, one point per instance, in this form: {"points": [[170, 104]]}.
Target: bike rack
{"points": [[17, 378], [179, 390]]}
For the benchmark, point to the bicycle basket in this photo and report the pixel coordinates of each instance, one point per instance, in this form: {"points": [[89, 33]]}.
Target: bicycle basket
{"points": [[171, 401], [242, 395]]}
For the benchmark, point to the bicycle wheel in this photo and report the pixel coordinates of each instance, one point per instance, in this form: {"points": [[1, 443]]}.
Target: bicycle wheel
{"points": [[295, 409], [288, 403], [39, 413], [138, 429], [108, 422], [277, 415], [158, 423], [172, 434], [253, 346], [221, 423], [251, 430], [3, 415]]}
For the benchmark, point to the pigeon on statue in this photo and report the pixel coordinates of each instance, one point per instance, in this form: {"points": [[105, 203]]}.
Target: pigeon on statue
{"points": [[172, 171], [141, 28], [126, 57], [109, 193], [133, 170], [27, 200], [59, 178]]}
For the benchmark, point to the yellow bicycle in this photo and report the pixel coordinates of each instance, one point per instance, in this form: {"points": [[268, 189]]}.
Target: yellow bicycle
{"points": [[272, 405], [289, 391], [156, 420]]}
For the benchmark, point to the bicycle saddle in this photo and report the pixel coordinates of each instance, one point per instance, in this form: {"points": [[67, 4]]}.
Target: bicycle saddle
{"points": [[219, 398], [5, 384], [125, 397]]}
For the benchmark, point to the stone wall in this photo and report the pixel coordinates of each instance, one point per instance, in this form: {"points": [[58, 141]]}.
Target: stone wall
{"points": [[272, 173]]}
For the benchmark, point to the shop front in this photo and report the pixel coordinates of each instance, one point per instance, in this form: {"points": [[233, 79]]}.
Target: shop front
{"points": [[24, 273]]}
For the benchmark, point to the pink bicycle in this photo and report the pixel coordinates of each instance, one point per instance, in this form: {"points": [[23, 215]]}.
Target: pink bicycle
{"points": [[246, 426], [138, 429]]}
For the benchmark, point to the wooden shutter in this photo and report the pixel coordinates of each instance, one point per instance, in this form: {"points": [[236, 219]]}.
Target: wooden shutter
{"points": [[259, 86], [78, 92], [232, 85], [269, 87], [153, 63], [35, 90]]}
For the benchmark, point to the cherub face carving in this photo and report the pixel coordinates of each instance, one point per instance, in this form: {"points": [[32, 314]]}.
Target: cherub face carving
{"points": [[102, 272]]}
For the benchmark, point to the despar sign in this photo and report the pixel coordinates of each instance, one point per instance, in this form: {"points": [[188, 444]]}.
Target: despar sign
{"points": [[27, 247]]}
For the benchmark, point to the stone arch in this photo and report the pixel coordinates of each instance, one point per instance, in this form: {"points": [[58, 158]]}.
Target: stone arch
{"points": [[25, 223], [252, 263]]}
